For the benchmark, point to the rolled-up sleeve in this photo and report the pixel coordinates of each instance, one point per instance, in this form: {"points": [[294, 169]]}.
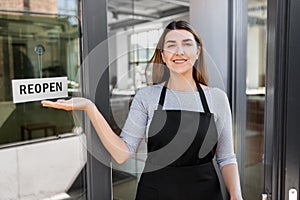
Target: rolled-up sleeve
{"points": [[225, 152], [135, 126]]}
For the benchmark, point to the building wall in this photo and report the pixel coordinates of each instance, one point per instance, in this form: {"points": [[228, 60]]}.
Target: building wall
{"points": [[12, 4], [41, 170], [48, 6], [210, 19]]}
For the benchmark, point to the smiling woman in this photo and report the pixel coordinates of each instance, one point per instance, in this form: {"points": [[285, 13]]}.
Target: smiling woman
{"points": [[185, 122], [180, 52], [180, 46]]}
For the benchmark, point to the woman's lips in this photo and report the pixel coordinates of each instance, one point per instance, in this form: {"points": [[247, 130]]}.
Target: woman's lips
{"points": [[179, 61]]}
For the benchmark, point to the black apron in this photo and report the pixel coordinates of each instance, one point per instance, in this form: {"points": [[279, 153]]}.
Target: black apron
{"points": [[180, 150]]}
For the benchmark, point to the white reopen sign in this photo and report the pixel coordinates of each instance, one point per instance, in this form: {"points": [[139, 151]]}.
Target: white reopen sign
{"points": [[25, 90]]}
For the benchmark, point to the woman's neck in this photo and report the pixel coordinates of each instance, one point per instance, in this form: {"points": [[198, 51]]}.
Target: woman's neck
{"points": [[181, 83]]}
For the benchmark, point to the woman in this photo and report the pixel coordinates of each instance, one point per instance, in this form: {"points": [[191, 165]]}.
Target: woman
{"points": [[187, 124]]}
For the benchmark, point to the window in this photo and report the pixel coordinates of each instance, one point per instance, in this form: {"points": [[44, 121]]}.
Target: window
{"points": [[20, 36], [142, 47]]}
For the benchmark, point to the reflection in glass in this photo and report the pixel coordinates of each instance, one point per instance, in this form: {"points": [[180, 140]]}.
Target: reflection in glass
{"points": [[40, 146], [255, 83]]}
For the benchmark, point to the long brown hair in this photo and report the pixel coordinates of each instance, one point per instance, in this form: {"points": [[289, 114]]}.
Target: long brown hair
{"points": [[160, 72]]}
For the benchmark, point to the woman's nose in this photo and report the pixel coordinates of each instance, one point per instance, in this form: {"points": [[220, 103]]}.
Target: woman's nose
{"points": [[179, 50]]}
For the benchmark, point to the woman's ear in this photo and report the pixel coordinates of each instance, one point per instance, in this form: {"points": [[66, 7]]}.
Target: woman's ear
{"points": [[162, 56], [198, 51]]}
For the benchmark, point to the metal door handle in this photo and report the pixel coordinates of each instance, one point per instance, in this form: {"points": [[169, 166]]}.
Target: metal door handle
{"points": [[264, 196], [293, 194]]}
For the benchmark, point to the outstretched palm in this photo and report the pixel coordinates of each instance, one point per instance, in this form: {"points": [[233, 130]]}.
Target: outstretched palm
{"points": [[77, 103]]}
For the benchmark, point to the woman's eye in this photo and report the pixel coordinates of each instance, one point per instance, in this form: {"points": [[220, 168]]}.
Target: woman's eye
{"points": [[188, 44], [170, 45]]}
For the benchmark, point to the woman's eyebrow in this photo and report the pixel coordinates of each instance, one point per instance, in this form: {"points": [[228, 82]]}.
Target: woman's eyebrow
{"points": [[170, 41], [173, 41], [187, 40]]}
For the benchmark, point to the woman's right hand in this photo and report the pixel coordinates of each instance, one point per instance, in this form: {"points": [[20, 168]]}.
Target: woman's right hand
{"points": [[77, 103]]}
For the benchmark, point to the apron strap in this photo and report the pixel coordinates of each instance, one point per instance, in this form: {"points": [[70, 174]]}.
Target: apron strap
{"points": [[162, 96], [202, 98], [201, 94]]}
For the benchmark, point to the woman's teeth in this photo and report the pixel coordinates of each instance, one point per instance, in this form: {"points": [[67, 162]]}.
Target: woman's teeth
{"points": [[179, 61]]}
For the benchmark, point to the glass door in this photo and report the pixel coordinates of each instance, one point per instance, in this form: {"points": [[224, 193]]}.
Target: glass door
{"points": [[134, 28], [254, 137], [249, 91], [42, 150]]}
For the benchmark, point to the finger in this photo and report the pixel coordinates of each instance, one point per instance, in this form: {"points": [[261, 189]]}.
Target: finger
{"points": [[65, 105], [49, 104], [61, 101], [46, 103], [57, 106]]}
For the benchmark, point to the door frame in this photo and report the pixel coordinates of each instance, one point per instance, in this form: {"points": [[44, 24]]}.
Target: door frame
{"points": [[291, 158], [95, 79], [272, 130], [274, 103], [282, 97], [238, 98]]}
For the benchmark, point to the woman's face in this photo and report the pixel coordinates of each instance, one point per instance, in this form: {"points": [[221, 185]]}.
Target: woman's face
{"points": [[180, 51]]}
